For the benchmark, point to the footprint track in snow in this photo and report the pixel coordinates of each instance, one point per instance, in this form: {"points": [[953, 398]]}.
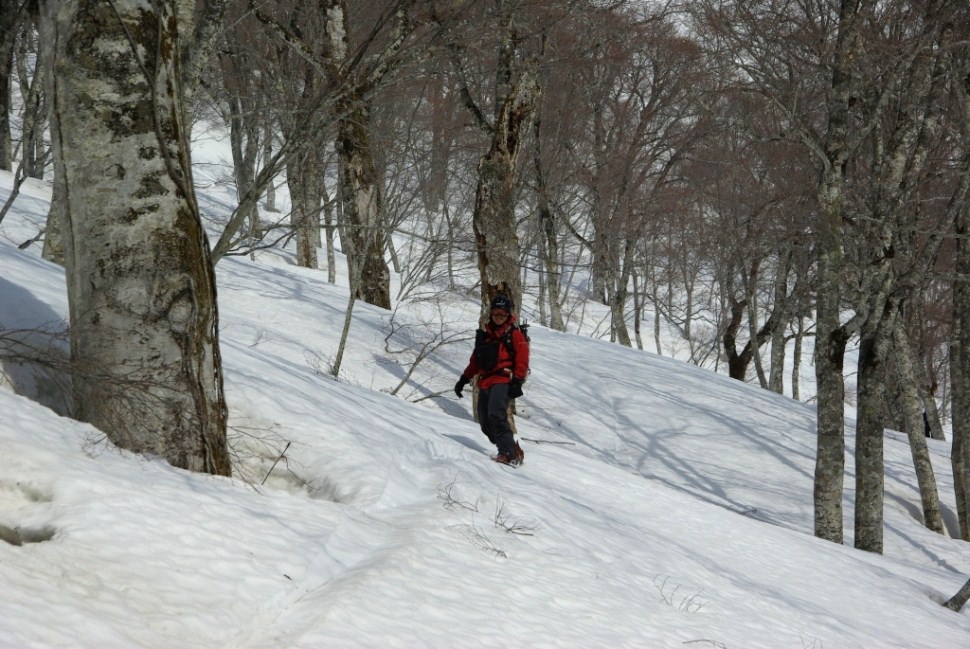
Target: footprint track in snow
{"points": [[16, 500]]}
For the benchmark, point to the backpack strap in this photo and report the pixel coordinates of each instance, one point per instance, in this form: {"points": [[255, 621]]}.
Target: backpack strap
{"points": [[507, 339]]}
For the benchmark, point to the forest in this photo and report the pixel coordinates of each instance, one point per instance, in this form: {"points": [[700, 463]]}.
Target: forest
{"points": [[761, 176]]}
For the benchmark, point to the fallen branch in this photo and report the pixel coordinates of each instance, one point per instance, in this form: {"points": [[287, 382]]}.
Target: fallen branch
{"points": [[275, 463], [29, 242], [547, 441]]}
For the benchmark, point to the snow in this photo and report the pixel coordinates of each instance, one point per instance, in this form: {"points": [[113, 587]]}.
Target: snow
{"points": [[660, 505]]}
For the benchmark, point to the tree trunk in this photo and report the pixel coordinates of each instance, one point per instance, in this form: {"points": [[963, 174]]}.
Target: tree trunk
{"points": [[782, 308], [738, 362], [362, 203], [960, 374], [913, 415], [10, 15], [898, 164], [244, 145], [960, 335], [270, 204], [839, 141], [751, 289], [617, 283], [548, 241], [141, 288], [493, 220], [33, 151], [53, 250], [435, 189], [829, 354], [870, 426], [796, 366], [328, 230], [932, 414], [303, 178], [753, 335], [657, 309], [957, 602], [637, 310]]}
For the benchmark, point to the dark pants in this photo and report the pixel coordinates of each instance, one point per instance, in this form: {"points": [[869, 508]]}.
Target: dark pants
{"points": [[493, 416]]}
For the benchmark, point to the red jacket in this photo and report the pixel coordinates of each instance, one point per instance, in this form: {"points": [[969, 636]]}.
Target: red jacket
{"points": [[506, 368]]}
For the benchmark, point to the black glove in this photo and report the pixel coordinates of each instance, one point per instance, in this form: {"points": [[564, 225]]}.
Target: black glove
{"points": [[462, 382], [515, 388]]}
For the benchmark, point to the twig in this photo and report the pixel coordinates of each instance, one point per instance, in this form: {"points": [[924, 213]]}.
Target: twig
{"points": [[433, 395], [29, 242], [451, 502], [275, 463], [512, 525], [547, 441]]}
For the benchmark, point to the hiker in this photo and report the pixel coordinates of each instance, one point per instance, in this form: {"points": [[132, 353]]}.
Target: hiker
{"points": [[500, 360]]}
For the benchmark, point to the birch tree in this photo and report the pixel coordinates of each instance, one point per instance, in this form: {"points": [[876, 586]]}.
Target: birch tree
{"points": [[11, 16], [141, 287], [243, 101], [348, 57]]}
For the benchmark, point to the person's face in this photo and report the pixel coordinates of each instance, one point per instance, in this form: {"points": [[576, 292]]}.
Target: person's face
{"points": [[499, 316]]}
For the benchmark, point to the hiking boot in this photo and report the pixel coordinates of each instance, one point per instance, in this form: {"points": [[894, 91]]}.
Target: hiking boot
{"points": [[505, 458], [514, 458]]}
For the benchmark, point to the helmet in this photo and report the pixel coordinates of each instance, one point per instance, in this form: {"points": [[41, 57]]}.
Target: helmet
{"points": [[501, 301]]}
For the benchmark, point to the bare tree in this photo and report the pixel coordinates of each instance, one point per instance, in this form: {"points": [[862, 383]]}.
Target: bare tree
{"points": [[347, 58], [35, 153], [12, 13], [748, 214], [960, 343], [515, 96], [890, 267], [241, 96], [141, 285], [833, 149], [913, 418], [548, 246], [811, 62], [18, 53]]}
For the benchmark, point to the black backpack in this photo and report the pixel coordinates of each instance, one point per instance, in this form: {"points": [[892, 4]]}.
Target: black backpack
{"points": [[486, 352]]}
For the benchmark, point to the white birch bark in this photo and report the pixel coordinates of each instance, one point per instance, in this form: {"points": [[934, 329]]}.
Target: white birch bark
{"points": [[363, 203], [361, 184], [144, 336], [10, 16]]}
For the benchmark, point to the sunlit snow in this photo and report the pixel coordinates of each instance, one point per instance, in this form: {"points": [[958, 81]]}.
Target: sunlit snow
{"points": [[660, 505]]}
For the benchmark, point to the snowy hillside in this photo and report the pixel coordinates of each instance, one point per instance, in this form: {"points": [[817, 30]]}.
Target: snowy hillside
{"points": [[660, 505]]}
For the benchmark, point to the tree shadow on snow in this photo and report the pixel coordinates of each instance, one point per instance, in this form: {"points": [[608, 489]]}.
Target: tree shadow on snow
{"points": [[33, 349]]}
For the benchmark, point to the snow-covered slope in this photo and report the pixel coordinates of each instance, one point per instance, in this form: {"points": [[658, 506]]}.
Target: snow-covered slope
{"points": [[660, 505]]}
